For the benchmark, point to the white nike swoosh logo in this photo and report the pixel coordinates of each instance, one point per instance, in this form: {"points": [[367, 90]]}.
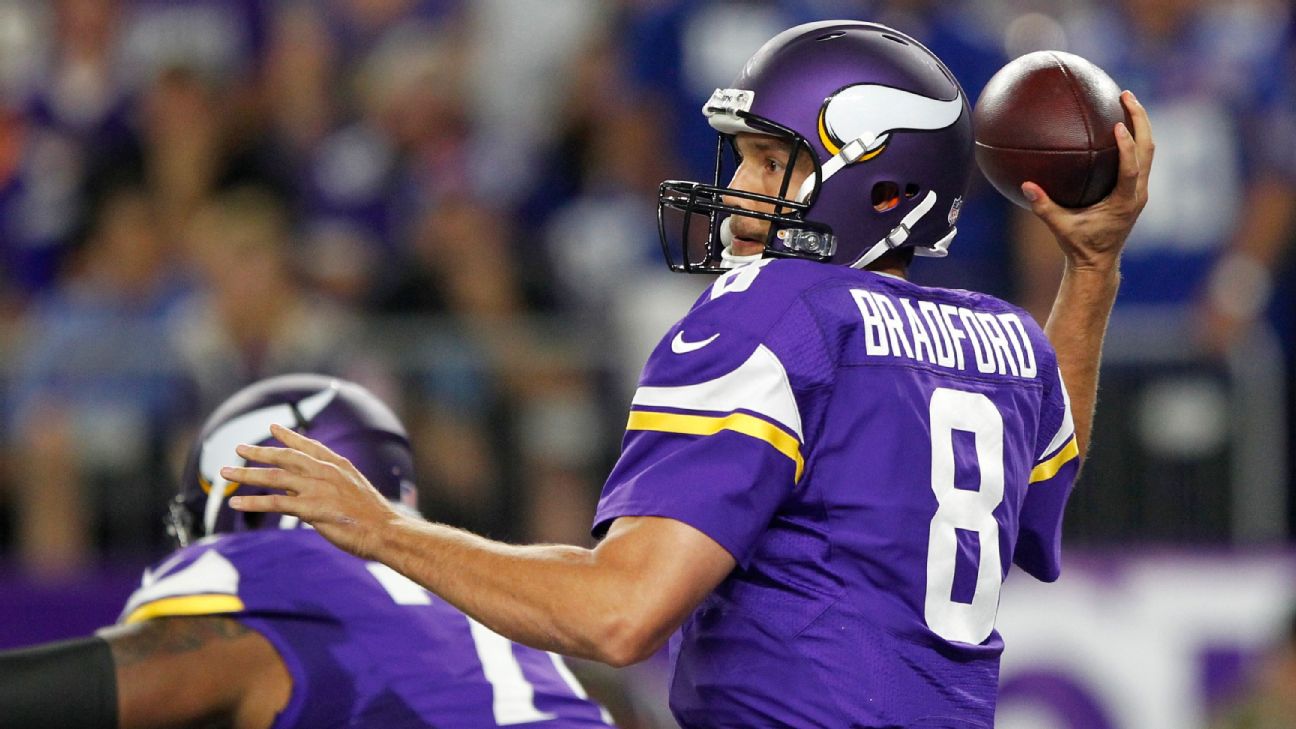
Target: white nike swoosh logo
{"points": [[679, 346]]}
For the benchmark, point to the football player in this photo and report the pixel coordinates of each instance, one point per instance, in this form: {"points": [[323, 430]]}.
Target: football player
{"points": [[827, 470], [257, 621]]}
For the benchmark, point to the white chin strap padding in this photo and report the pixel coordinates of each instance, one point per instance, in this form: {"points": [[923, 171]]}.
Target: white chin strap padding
{"points": [[727, 257], [900, 233], [729, 260]]}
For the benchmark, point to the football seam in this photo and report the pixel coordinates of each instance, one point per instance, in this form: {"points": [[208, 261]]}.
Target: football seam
{"points": [[1032, 150], [1080, 106]]}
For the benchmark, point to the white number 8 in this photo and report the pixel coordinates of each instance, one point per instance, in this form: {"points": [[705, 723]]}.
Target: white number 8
{"points": [[963, 509]]}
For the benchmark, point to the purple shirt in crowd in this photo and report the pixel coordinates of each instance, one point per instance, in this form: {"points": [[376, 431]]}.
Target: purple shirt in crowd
{"points": [[874, 454], [365, 646]]}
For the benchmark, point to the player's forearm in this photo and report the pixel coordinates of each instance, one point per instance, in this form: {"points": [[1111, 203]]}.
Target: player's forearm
{"points": [[1264, 232], [1242, 282], [1076, 328], [58, 685], [554, 597]]}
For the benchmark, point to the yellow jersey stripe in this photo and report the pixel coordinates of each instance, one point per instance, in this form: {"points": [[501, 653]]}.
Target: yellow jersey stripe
{"points": [[749, 425], [186, 605], [1048, 469]]}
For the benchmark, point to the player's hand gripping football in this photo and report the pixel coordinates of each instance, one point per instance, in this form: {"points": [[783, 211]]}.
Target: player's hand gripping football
{"points": [[319, 487], [1092, 237]]}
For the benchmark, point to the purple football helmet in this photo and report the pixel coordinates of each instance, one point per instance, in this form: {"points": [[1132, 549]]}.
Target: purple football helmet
{"points": [[340, 414], [888, 129]]}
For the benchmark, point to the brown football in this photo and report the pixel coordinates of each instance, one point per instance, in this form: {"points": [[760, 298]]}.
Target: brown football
{"points": [[1049, 117]]}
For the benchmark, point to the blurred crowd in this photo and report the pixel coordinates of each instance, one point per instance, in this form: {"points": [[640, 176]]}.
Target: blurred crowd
{"points": [[453, 203]]}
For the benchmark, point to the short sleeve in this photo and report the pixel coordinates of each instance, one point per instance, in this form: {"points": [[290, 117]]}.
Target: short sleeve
{"points": [[197, 580], [268, 572], [1039, 541], [713, 439]]}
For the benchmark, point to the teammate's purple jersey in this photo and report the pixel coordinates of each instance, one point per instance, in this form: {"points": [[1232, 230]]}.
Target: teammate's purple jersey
{"points": [[874, 454], [364, 645]]}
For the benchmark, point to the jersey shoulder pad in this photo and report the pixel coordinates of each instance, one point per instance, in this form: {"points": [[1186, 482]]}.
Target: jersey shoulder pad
{"points": [[258, 571], [195, 580], [744, 314]]}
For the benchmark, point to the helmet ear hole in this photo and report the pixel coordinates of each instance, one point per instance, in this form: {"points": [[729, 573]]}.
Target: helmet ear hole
{"points": [[886, 195]]}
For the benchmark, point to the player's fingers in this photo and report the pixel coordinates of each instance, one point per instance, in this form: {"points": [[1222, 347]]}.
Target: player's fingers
{"points": [[1143, 141], [269, 502], [1142, 127], [313, 448], [287, 458], [1128, 173], [275, 478], [1041, 204], [309, 446]]}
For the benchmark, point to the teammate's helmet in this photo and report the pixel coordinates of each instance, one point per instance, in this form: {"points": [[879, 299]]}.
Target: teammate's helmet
{"points": [[889, 131], [340, 414]]}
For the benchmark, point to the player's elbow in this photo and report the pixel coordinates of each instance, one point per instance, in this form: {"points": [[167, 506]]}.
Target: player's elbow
{"points": [[622, 652], [627, 638]]}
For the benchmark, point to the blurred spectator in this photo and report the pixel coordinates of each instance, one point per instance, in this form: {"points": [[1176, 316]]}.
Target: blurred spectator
{"points": [[186, 144], [456, 273], [680, 51], [250, 316], [71, 99], [83, 91], [604, 257], [1270, 699], [518, 52], [359, 26], [489, 383], [34, 220], [370, 177], [220, 39], [95, 391], [300, 74]]}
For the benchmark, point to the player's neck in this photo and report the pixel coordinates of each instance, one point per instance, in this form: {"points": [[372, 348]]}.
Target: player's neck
{"points": [[890, 268], [893, 263]]}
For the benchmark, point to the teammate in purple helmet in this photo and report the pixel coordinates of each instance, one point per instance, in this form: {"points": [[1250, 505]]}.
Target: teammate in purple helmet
{"points": [[827, 471], [257, 621]]}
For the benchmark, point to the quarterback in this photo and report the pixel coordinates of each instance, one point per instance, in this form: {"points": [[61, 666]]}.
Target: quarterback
{"points": [[257, 621], [827, 471]]}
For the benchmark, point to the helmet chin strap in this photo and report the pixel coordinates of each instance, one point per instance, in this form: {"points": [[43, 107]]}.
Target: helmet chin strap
{"points": [[728, 259], [849, 153], [852, 151], [900, 233], [940, 248]]}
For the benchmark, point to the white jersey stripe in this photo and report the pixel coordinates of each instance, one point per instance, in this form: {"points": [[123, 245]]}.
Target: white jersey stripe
{"points": [[1066, 429], [759, 385], [210, 574]]}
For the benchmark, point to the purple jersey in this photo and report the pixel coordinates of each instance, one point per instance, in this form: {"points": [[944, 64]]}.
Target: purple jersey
{"points": [[874, 454], [364, 645]]}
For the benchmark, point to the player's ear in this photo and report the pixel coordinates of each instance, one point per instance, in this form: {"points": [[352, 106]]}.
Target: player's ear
{"points": [[805, 158]]}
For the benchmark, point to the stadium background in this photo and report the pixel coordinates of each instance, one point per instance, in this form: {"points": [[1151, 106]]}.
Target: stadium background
{"points": [[453, 203]]}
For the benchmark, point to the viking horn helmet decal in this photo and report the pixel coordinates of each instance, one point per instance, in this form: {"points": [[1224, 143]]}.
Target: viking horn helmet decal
{"points": [[869, 113]]}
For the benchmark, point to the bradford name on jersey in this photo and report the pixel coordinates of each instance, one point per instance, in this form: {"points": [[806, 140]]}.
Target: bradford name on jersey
{"points": [[875, 455], [365, 646]]}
